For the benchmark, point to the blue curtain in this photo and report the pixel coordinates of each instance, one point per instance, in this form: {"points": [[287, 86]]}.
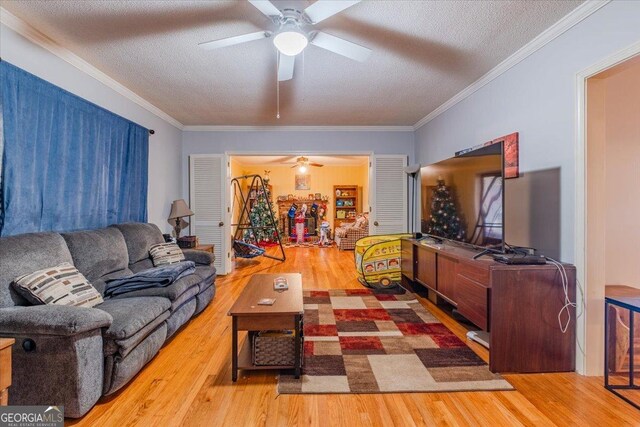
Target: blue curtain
{"points": [[67, 164]]}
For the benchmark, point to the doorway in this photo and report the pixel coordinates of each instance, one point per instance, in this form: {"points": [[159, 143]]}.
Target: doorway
{"points": [[607, 245], [345, 186], [313, 193]]}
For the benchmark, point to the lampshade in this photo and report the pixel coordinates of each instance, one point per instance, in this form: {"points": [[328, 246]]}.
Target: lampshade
{"points": [[290, 40], [179, 209]]}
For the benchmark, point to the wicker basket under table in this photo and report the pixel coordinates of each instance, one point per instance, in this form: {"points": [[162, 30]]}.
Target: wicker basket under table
{"points": [[278, 350]]}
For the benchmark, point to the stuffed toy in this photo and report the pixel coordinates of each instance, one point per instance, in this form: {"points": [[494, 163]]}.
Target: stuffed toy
{"points": [[324, 233]]}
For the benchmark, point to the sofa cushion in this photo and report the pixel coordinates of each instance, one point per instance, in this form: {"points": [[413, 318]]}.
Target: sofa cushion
{"points": [[97, 252], [124, 346], [180, 316], [186, 296], [118, 370], [132, 314], [139, 238], [26, 253], [59, 285], [165, 253], [143, 264], [207, 274], [204, 298]]}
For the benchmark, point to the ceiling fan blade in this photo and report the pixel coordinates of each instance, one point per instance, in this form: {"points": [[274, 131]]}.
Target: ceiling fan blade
{"points": [[294, 166], [266, 7], [230, 41], [318, 165], [341, 46], [285, 67], [323, 9]]}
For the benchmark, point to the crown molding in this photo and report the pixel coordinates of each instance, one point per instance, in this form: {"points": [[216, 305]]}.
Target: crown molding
{"points": [[567, 22], [34, 35], [298, 128]]}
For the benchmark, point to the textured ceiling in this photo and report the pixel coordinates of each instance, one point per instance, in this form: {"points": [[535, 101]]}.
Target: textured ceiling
{"points": [[424, 52], [291, 160]]}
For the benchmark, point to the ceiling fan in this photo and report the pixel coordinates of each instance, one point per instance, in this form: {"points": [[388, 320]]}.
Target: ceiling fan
{"points": [[302, 163], [295, 31]]}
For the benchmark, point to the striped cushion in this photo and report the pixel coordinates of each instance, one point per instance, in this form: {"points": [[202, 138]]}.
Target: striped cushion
{"points": [[166, 253], [61, 285]]}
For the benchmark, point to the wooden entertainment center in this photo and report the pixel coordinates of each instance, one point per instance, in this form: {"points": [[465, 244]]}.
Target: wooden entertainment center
{"points": [[517, 304]]}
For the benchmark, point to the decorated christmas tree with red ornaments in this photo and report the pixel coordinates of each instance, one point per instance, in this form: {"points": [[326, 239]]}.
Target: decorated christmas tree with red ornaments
{"points": [[444, 220], [260, 216]]}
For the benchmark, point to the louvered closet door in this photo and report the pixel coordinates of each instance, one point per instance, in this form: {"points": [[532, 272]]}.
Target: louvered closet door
{"points": [[388, 195], [206, 178]]}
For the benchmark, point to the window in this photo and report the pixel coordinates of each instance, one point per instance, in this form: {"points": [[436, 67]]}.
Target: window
{"points": [[491, 208]]}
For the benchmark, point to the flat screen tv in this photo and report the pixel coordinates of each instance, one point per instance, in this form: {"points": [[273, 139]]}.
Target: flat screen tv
{"points": [[463, 198]]}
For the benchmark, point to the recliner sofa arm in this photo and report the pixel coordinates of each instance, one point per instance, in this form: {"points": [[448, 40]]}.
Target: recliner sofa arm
{"points": [[199, 257], [58, 356], [51, 320]]}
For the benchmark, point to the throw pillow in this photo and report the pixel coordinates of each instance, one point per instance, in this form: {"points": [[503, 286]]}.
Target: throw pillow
{"points": [[60, 285], [166, 253]]}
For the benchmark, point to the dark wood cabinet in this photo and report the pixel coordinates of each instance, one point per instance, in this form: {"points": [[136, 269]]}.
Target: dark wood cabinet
{"points": [[425, 268], [474, 301], [517, 304], [407, 259], [446, 278]]}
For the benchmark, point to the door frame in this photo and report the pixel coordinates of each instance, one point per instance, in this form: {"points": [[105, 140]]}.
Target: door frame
{"points": [[581, 227], [234, 153]]}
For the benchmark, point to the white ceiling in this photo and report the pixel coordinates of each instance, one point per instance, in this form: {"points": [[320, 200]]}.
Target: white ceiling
{"points": [[424, 52], [291, 160]]}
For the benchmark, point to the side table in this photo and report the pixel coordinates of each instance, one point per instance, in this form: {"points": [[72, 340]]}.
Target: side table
{"points": [[5, 369], [617, 324], [206, 248]]}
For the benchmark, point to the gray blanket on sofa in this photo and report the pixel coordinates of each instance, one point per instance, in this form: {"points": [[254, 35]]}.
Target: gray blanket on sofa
{"points": [[157, 277]]}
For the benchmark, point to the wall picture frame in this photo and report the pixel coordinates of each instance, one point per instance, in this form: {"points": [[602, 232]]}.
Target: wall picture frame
{"points": [[511, 153], [303, 182]]}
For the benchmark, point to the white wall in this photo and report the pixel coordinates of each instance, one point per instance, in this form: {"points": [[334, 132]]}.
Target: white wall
{"points": [[537, 99], [294, 142], [164, 146]]}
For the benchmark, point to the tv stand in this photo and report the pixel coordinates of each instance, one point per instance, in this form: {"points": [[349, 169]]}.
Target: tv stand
{"points": [[517, 304]]}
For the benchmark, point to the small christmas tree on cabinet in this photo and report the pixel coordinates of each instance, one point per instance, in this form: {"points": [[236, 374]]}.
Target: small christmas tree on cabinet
{"points": [[444, 220]]}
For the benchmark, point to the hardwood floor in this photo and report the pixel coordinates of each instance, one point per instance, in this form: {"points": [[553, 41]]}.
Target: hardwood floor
{"points": [[189, 381]]}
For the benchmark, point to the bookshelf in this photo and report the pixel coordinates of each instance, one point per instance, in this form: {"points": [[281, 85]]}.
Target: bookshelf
{"points": [[348, 203]]}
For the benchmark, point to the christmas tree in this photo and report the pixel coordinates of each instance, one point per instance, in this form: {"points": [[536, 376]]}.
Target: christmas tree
{"points": [[261, 219], [444, 220]]}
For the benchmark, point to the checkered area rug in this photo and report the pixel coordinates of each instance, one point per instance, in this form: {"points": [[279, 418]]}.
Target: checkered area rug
{"points": [[360, 341]]}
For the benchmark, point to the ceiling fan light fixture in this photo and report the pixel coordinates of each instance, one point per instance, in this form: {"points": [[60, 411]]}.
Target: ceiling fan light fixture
{"points": [[290, 41], [302, 169]]}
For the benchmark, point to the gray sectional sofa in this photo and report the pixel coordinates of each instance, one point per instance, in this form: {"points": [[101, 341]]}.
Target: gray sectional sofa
{"points": [[72, 356]]}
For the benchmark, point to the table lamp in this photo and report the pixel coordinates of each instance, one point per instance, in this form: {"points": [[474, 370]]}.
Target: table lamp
{"points": [[179, 210]]}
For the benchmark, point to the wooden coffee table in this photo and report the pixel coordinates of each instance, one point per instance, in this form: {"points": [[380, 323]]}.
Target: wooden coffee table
{"points": [[247, 315]]}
